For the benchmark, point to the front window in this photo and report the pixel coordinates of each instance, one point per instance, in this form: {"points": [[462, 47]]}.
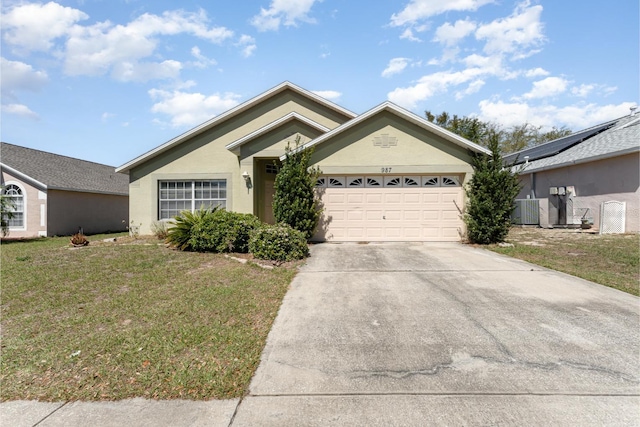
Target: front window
{"points": [[177, 196], [14, 196]]}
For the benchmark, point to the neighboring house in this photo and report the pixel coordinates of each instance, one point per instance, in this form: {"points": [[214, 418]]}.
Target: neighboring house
{"points": [[57, 195], [573, 176], [387, 174]]}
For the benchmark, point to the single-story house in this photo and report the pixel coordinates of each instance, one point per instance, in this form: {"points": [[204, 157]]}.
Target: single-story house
{"points": [[55, 195], [387, 174], [572, 177]]}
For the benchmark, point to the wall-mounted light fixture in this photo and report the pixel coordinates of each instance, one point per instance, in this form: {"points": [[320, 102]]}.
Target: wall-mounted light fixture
{"points": [[245, 175]]}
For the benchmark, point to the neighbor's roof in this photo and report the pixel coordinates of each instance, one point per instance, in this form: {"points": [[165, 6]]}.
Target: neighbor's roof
{"points": [[611, 139], [56, 172], [232, 113], [402, 113]]}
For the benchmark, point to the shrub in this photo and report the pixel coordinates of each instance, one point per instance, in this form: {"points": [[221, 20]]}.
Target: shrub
{"points": [[223, 231], [179, 233], [278, 243], [295, 201], [491, 192]]}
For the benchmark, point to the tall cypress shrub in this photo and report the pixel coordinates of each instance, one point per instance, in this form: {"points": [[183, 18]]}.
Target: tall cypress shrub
{"points": [[295, 202], [491, 196]]}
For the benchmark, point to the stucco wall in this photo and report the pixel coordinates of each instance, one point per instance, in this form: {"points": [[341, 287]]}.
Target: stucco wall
{"points": [[617, 178], [94, 213], [205, 156], [35, 202]]}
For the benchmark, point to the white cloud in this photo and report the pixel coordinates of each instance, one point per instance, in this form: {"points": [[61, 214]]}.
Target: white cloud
{"points": [[34, 26], [106, 116], [473, 87], [328, 94], [129, 52], [516, 34], [202, 60], [104, 47], [248, 45], [583, 90], [190, 109], [396, 65], [417, 10], [536, 72], [18, 76], [576, 117], [431, 85], [283, 12], [551, 86], [19, 110], [450, 35], [408, 35]]}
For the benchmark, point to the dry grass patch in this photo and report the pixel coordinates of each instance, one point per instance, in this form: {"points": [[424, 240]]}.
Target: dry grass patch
{"points": [[611, 260], [131, 318]]}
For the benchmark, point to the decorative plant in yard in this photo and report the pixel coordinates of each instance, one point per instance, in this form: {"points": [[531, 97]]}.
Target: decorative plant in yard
{"points": [[295, 202], [223, 231], [179, 234], [79, 239], [491, 194], [6, 212], [279, 243]]}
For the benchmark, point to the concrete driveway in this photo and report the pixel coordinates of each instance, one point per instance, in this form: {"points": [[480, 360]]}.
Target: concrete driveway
{"points": [[445, 334]]}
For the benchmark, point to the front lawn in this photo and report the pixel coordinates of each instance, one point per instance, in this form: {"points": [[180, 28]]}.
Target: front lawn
{"points": [[611, 259], [131, 318]]}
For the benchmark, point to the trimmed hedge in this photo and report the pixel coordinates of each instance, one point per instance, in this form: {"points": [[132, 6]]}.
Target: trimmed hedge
{"points": [[278, 243]]}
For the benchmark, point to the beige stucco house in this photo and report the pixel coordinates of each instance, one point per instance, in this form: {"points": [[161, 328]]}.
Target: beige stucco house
{"points": [[56, 195], [573, 176], [387, 174]]}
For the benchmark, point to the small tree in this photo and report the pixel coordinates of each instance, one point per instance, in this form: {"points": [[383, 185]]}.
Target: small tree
{"points": [[6, 212], [295, 202], [491, 194]]}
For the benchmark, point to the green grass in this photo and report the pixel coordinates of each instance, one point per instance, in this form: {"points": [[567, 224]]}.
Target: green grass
{"points": [[611, 260], [131, 319]]}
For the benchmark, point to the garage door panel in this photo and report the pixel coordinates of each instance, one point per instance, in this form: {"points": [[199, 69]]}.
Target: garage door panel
{"points": [[374, 198], [392, 213], [428, 198]]}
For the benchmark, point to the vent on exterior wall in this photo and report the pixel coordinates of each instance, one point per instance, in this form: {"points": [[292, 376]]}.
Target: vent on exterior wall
{"points": [[527, 212]]}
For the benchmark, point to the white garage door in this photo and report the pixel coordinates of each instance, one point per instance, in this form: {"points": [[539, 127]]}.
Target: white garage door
{"points": [[390, 208]]}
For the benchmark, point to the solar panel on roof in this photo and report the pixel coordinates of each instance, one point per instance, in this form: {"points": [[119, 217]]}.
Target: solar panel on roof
{"points": [[554, 147]]}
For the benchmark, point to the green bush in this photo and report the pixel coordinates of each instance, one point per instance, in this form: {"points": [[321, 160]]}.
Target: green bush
{"points": [[295, 201], [179, 233], [278, 243], [491, 196], [223, 231]]}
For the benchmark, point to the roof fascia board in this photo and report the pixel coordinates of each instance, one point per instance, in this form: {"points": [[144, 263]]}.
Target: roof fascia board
{"points": [[401, 112], [235, 145], [75, 190], [24, 177], [583, 160], [231, 113]]}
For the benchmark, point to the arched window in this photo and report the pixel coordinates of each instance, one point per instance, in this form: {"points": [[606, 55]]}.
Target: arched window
{"points": [[15, 197]]}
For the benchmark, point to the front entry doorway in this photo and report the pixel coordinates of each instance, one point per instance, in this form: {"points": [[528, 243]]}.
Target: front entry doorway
{"points": [[267, 169]]}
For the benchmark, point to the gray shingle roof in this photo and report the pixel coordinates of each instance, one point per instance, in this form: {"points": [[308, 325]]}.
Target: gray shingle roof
{"points": [[64, 173], [621, 138]]}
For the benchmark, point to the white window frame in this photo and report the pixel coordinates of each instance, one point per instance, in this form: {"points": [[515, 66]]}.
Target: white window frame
{"points": [[23, 190], [193, 200]]}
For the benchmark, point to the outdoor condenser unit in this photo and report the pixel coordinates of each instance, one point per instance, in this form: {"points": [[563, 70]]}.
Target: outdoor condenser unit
{"points": [[527, 212]]}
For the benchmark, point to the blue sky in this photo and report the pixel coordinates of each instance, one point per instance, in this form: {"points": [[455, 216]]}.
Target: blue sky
{"points": [[107, 80]]}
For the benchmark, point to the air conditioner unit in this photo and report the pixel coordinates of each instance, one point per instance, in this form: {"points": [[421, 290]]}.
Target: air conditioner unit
{"points": [[527, 212]]}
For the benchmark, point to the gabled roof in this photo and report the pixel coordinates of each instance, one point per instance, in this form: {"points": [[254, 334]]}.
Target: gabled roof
{"points": [[232, 113], [55, 172], [404, 114], [235, 145], [611, 139]]}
